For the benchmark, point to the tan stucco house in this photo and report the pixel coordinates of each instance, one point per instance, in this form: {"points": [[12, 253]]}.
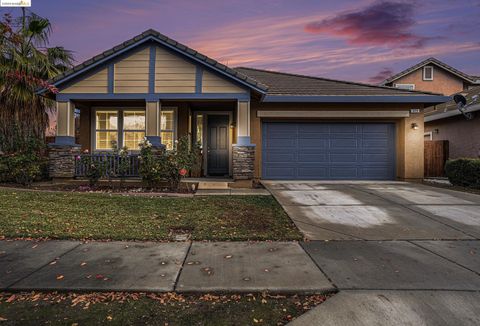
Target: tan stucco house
{"points": [[252, 124], [445, 121]]}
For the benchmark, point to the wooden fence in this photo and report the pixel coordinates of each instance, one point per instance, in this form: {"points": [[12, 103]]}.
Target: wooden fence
{"points": [[436, 154]]}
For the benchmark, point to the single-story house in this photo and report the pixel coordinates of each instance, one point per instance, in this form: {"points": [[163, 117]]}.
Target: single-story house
{"points": [[252, 124]]}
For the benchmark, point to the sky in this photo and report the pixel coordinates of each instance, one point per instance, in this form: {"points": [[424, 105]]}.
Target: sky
{"points": [[357, 40]]}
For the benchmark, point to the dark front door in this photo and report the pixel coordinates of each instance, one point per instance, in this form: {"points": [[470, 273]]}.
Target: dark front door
{"points": [[217, 148]]}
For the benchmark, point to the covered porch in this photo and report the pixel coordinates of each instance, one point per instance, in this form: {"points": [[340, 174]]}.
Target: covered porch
{"points": [[96, 127]]}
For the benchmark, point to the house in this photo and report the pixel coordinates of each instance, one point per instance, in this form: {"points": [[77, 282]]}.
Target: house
{"points": [[433, 75], [444, 121], [252, 124]]}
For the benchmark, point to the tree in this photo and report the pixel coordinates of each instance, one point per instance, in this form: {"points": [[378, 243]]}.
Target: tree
{"points": [[26, 64]]}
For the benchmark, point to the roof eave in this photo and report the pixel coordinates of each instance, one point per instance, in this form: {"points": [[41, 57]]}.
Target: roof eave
{"points": [[430, 99], [451, 113]]}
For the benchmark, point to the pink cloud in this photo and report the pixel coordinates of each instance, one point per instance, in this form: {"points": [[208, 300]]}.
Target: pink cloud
{"points": [[381, 23], [381, 75]]}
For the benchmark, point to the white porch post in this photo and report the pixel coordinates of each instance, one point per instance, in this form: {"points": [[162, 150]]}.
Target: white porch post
{"points": [[63, 151], [243, 153], [65, 133], [153, 111]]}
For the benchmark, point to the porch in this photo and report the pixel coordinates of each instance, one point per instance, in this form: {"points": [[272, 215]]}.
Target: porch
{"points": [[96, 127]]}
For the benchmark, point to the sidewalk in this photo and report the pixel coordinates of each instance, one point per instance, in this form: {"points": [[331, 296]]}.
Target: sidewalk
{"points": [[281, 267]]}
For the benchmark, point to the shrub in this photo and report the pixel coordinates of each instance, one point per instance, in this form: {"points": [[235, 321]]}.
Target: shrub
{"points": [[464, 172], [94, 169], [170, 166]]}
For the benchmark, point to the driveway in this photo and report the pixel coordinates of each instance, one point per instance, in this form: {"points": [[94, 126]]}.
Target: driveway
{"points": [[378, 210], [419, 263]]}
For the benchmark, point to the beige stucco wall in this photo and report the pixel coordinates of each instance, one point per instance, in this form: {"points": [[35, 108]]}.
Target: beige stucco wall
{"points": [[463, 135], [409, 142], [443, 82]]}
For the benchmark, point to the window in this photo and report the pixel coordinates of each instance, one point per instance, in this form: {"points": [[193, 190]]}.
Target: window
{"points": [[168, 127], [410, 87], [126, 127], [428, 73], [123, 127], [133, 128], [106, 129], [199, 130]]}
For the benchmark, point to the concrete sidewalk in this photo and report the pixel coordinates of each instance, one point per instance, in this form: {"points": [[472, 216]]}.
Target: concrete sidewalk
{"points": [[281, 267]]}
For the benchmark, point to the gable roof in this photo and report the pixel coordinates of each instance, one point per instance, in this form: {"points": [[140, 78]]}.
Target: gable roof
{"points": [[293, 85], [153, 35], [464, 76]]}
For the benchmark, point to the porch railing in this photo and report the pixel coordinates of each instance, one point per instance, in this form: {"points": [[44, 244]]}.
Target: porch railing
{"points": [[111, 164]]}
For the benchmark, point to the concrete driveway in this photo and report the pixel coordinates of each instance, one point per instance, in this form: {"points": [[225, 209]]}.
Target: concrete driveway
{"points": [[378, 210], [419, 263]]}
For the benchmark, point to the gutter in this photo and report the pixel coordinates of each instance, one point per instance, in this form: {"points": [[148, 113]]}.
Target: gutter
{"points": [[434, 99]]}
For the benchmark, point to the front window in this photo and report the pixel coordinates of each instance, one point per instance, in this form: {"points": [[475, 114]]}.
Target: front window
{"points": [[133, 128], [167, 127], [126, 127], [106, 129]]}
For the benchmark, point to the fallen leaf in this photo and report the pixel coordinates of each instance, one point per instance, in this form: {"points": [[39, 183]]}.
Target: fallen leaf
{"points": [[11, 298], [109, 317], [3, 319], [60, 277], [83, 264], [53, 262]]}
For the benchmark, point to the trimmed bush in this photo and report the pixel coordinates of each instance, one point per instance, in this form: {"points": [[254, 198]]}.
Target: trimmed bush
{"points": [[464, 172]]}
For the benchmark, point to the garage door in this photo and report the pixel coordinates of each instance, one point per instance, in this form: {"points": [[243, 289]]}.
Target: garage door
{"points": [[328, 151]]}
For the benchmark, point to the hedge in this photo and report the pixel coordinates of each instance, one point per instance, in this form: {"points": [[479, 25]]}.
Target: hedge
{"points": [[464, 172]]}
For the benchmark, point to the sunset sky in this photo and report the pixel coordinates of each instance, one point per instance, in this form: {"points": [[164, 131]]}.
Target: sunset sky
{"points": [[360, 40]]}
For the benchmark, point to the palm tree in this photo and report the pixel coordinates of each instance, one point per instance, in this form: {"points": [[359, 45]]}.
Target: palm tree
{"points": [[26, 63]]}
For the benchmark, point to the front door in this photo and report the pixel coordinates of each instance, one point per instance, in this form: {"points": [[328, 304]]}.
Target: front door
{"points": [[217, 145]]}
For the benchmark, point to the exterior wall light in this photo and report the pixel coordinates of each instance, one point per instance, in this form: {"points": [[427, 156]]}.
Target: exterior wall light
{"points": [[414, 126]]}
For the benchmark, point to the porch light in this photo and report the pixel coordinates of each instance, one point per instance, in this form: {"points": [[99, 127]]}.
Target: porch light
{"points": [[414, 126], [232, 125]]}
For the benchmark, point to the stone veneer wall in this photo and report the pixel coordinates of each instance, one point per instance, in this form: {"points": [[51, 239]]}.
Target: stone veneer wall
{"points": [[62, 160], [243, 162]]}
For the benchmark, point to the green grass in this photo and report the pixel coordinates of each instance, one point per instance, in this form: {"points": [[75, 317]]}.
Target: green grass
{"points": [[64, 215], [191, 311]]}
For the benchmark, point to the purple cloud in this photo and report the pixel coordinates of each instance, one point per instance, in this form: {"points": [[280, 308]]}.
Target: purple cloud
{"points": [[384, 22], [381, 76]]}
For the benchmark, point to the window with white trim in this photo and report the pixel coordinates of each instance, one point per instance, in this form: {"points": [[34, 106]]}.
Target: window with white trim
{"points": [[122, 127], [168, 126], [133, 129], [428, 73], [106, 129], [410, 87]]}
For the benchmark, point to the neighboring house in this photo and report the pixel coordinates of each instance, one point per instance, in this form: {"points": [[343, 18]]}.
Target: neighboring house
{"points": [[434, 76], [251, 123], [446, 122]]}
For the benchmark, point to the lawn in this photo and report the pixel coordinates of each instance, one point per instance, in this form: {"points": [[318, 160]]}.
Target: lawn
{"points": [[66, 215], [165, 309]]}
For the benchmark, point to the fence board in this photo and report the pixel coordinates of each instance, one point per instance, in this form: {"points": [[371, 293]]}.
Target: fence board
{"points": [[436, 154]]}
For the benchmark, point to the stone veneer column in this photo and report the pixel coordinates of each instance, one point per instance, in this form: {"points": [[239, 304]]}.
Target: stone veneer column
{"points": [[62, 152], [243, 152], [243, 162], [62, 160]]}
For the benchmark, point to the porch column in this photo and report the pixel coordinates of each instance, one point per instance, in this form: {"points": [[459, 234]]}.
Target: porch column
{"points": [[243, 153], [63, 151], [153, 124]]}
